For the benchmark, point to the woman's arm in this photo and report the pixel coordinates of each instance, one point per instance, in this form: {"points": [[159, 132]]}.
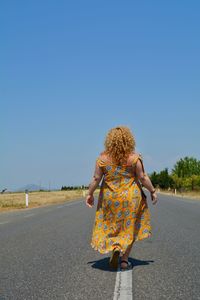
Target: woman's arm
{"points": [[145, 180], [98, 174]]}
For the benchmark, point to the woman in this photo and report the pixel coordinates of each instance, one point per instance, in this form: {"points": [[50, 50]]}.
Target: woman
{"points": [[122, 214]]}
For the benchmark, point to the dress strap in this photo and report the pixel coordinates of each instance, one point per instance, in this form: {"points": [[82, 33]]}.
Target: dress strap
{"points": [[138, 157], [100, 162], [135, 159]]}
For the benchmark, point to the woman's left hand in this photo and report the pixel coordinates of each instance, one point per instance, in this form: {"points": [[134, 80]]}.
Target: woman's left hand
{"points": [[89, 200], [154, 198]]}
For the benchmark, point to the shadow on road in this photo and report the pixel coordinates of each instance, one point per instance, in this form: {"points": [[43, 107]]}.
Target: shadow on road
{"points": [[103, 264]]}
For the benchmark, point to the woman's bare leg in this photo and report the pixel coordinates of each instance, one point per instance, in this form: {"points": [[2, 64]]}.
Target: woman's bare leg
{"points": [[126, 255]]}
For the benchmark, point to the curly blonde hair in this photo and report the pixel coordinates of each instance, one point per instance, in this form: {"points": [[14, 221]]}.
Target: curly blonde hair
{"points": [[119, 143]]}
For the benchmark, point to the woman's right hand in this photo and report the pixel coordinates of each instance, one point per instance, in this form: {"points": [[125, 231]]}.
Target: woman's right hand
{"points": [[89, 200], [154, 198]]}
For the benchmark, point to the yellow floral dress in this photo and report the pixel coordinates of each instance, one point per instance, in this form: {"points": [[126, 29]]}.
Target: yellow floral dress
{"points": [[122, 214]]}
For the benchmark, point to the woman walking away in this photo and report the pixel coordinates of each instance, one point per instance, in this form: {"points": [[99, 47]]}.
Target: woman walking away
{"points": [[122, 215]]}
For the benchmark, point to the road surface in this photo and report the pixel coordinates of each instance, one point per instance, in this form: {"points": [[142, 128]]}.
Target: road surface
{"points": [[45, 253]]}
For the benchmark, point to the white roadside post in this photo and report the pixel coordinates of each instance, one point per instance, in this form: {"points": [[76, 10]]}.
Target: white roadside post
{"points": [[83, 191], [26, 191]]}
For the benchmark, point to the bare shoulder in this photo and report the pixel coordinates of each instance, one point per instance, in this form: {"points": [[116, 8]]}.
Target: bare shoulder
{"points": [[134, 155], [104, 157], [132, 158]]}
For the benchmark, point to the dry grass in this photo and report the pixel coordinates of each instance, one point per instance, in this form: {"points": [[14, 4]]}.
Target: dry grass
{"points": [[189, 195], [10, 201]]}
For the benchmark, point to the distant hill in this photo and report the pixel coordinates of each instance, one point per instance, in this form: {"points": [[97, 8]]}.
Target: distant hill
{"points": [[31, 188]]}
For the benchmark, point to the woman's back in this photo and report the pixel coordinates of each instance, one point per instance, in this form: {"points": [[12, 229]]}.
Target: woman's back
{"points": [[118, 176], [129, 161]]}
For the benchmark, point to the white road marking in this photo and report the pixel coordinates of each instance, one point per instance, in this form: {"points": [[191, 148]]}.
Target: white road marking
{"points": [[123, 285], [46, 210], [4, 222], [72, 203], [66, 204], [69, 204], [29, 215]]}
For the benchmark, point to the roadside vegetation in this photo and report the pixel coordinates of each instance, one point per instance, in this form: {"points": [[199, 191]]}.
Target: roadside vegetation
{"points": [[40, 198], [183, 179]]}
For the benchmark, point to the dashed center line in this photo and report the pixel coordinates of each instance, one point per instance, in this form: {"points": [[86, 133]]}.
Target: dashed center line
{"points": [[123, 285], [29, 215]]}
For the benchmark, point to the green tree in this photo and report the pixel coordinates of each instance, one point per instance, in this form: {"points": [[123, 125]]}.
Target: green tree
{"points": [[162, 179], [154, 179], [191, 183], [165, 180], [186, 167], [178, 181]]}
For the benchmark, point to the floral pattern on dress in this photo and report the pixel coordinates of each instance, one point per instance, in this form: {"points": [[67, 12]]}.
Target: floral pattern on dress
{"points": [[122, 214]]}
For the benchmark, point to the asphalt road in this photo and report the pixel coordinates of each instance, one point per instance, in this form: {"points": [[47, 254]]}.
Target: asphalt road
{"points": [[45, 253]]}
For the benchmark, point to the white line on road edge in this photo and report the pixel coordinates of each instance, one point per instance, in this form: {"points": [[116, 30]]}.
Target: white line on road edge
{"points": [[69, 204], [3, 223], [123, 285], [72, 203], [29, 215]]}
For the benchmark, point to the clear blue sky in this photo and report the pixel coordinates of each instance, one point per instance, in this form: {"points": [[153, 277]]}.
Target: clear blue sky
{"points": [[71, 70]]}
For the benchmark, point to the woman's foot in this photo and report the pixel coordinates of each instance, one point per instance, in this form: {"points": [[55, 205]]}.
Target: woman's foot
{"points": [[125, 265], [113, 263]]}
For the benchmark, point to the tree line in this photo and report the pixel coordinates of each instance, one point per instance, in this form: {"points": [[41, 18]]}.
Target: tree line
{"points": [[184, 176], [73, 188]]}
